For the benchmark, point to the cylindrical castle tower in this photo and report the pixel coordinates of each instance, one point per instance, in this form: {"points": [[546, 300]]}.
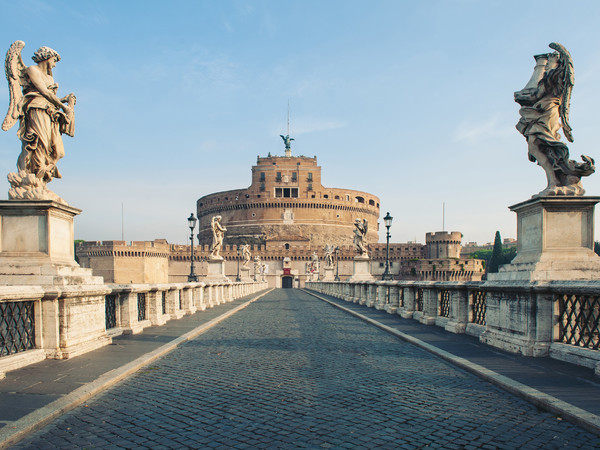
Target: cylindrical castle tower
{"points": [[443, 244], [286, 200]]}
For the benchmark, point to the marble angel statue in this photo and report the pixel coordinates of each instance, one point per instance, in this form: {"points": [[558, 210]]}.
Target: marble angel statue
{"points": [[218, 232], [246, 254], [329, 252], [545, 103], [360, 237], [43, 118]]}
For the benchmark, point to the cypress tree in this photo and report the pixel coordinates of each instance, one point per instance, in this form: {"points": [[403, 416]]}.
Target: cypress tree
{"points": [[497, 257]]}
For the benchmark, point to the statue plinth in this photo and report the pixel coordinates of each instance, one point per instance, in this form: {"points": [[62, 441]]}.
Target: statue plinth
{"points": [[329, 274], [37, 244], [361, 269], [216, 270], [245, 274], [555, 241]]}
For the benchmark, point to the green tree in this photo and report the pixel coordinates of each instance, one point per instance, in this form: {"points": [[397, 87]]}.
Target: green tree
{"points": [[597, 247], [497, 255]]}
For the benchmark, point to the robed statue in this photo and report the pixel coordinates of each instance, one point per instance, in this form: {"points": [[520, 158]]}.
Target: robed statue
{"points": [[360, 237], [218, 232], [246, 254], [43, 118], [545, 103]]}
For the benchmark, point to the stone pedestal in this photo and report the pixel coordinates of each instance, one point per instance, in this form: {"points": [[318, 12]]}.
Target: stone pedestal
{"points": [[361, 269], [555, 241], [36, 245], [329, 274], [245, 274], [216, 271]]}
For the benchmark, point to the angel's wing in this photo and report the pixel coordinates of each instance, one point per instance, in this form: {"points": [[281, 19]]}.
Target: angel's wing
{"points": [[15, 73], [365, 226], [568, 81]]}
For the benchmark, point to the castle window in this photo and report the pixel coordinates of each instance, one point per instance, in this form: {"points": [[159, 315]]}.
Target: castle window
{"points": [[371, 203], [326, 196], [310, 178], [294, 176], [337, 197], [262, 187], [347, 198], [360, 200], [262, 176], [253, 214], [247, 195], [278, 177], [287, 246], [310, 187]]}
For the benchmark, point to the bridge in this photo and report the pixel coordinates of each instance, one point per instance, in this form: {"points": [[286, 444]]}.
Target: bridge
{"points": [[288, 368]]}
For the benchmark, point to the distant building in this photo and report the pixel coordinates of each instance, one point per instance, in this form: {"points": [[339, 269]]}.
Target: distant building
{"points": [[285, 215]]}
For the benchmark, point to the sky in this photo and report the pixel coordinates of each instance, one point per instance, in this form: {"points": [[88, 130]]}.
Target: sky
{"points": [[411, 101]]}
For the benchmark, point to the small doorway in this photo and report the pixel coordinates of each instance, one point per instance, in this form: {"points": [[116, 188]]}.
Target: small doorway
{"points": [[286, 282]]}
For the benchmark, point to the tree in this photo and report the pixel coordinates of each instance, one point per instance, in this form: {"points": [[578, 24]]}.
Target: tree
{"points": [[497, 255], [597, 247]]}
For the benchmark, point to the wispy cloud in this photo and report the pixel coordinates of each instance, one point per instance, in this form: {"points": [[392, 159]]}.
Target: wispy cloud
{"points": [[474, 132]]}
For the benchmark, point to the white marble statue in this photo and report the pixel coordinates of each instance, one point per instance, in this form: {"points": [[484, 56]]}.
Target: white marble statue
{"points": [[360, 237], [246, 255], [218, 232], [43, 117], [257, 264], [314, 262], [545, 103], [329, 252]]}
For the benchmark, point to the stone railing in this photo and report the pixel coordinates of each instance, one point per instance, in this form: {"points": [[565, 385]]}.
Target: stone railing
{"points": [[556, 319], [39, 322]]}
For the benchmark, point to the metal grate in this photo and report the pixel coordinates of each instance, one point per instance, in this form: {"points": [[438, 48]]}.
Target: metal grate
{"points": [[419, 299], [401, 297], [17, 327], [141, 301], [579, 320], [179, 295], [444, 303], [110, 311], [387, 295], [164, 302], [478, 307]]}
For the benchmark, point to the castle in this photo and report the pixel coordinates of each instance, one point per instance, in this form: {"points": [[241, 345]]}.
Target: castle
{"points": [[286, 216]]}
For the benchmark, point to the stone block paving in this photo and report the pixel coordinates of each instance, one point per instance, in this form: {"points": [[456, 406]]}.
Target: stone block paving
{"points": [[291, 371]]}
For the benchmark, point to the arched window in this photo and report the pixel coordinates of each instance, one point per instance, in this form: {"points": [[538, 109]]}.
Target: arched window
{"points": [[287, 246]]}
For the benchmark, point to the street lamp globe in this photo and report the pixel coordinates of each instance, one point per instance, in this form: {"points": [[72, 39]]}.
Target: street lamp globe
{"points": [[192, 221], [388, 220]]}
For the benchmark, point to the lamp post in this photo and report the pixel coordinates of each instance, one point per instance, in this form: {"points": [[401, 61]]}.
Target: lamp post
{"points": [[388, 223], [337, 264], [192, 224], [238, 278]]}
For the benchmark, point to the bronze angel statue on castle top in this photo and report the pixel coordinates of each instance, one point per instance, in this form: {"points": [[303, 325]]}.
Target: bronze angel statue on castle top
{"points": [[43, 117], [545, 103]]}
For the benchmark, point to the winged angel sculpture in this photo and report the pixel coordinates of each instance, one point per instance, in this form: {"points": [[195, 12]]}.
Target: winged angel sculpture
{"points": [[545, 103], [360, 237], [43, 118]]}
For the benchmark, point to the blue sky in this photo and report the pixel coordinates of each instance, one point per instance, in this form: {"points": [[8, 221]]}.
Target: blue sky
{"points": [[411, 101]]}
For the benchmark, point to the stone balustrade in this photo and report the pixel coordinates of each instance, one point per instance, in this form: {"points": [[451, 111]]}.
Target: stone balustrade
{"points": [[560, 319], [39, 322]]}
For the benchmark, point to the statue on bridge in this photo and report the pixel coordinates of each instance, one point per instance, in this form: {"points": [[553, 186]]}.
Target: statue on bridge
{"points": [[545, 103], [246, 255], [360, 237], [218, 232], [43, 117], [329, 251]]}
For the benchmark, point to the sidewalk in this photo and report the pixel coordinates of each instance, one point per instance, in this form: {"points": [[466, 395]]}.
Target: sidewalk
{"points": [[33, 396], [569, 391]]}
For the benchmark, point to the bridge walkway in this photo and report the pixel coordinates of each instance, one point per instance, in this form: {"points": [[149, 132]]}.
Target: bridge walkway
{"points": [[289, 370]]}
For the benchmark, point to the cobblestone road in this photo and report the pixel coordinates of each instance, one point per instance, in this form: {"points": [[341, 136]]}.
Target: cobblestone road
{"points": [[291, 371]]}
